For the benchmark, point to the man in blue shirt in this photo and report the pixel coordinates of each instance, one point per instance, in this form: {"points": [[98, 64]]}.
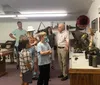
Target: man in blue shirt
{"points": [[16, 35]]}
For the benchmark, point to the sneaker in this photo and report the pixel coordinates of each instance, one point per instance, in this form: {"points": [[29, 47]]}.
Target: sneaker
{"points": [[60, 76], [64, 78]]}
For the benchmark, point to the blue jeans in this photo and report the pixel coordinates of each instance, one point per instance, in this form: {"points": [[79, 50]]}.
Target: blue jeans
{"points": [[32, 52]]}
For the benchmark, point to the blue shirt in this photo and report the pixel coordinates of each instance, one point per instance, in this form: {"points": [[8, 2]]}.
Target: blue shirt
{"points": [[43, 59], [17, 33]]}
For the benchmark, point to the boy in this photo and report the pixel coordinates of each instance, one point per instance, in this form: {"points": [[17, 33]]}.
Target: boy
{"points": [[44, 52], [25, 64]]}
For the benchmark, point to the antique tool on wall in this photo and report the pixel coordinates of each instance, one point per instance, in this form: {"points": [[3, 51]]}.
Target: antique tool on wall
{"points": [[81, 41], [80, 38], [39, 30]]}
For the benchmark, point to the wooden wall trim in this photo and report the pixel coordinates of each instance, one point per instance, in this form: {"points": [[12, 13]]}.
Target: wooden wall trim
{"points": [[84, 71]]}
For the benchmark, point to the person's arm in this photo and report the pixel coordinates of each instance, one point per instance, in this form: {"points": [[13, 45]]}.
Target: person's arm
{"points": [[35, 42], [67, 40], [45, 52], [39, 50], [48, 51], [12, 36]]}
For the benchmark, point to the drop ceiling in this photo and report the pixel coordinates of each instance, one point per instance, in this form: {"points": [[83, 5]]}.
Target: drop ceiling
{"points": [[74, 8]]}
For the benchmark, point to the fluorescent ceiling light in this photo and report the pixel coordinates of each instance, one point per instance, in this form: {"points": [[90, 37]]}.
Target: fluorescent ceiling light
{"points": [[20, 17], [43, 12], [7, 16], [43, 15]]}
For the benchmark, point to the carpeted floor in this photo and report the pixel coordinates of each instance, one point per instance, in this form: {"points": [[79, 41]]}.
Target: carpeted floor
{"points": [[12, 78]]}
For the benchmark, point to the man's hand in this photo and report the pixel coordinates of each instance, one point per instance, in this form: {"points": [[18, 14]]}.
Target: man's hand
{"points": [[66, 48], [11, 35]]}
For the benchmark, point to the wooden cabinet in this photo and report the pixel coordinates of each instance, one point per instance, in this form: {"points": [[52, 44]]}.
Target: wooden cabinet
{"points": [[81, 73], [2, 66], [3, 53]]}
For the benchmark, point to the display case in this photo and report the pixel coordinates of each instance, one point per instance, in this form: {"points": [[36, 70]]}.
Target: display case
{"points": [[79, 70]]}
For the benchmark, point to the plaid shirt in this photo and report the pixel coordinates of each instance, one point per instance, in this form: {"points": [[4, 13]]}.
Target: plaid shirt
{"points": [[24, 58]]}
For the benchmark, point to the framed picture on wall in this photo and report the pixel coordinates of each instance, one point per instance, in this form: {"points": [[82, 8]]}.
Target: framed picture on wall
{"points": [[99, 24], [94, 25]]}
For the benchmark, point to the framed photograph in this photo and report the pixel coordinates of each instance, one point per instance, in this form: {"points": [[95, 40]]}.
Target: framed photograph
{"points": [[99, 24], [94, 25]]}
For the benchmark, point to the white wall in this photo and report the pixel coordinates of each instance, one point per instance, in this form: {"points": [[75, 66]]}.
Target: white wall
{"points": [[7, 27], [93, 14]]}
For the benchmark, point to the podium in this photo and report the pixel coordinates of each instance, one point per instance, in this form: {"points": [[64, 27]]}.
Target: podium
{"points": [[80, 71]]}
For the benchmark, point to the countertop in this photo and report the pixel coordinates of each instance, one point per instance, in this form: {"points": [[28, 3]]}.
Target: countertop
{"points": [[81, 62]]}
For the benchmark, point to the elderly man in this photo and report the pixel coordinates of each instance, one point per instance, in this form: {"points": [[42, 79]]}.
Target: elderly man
{"points": [[62, 47]]}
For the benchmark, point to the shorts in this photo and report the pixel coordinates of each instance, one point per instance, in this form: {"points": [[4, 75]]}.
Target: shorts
{"points": [[27, 76]]}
